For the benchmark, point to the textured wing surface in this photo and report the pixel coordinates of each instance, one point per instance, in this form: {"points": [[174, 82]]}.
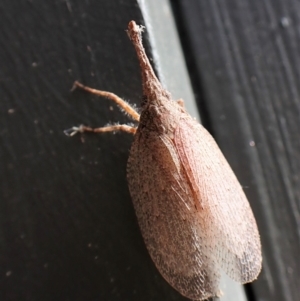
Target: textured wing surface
{"points": [[231, 230], [165, 209]]}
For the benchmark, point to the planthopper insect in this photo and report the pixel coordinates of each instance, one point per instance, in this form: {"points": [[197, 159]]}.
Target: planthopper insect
{"points": [[193, 214]]}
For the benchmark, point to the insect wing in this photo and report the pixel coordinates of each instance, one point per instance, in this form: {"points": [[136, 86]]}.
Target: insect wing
{"points": [[164, 206], [229, 226]]}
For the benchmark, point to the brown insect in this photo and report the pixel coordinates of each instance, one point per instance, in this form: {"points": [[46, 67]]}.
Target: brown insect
{"points": [[193, 214]]}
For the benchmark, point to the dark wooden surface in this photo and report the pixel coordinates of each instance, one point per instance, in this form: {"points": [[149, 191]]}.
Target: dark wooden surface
{"points": [[244, 62], [67, 226]]}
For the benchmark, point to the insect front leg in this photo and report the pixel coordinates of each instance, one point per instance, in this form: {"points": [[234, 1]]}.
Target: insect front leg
{"points": [[110, 128], [118, 100]]}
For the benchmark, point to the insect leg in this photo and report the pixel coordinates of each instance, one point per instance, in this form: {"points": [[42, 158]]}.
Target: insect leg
{"points": [[110, 128], [119, 101]]}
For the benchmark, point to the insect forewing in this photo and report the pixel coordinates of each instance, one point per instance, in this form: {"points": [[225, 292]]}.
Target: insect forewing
{"points": [[229, 226], [164, 206]]}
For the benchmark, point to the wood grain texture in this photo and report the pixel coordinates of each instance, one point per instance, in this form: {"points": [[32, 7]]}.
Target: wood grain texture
{"points": [[244, 60], [67, 225]]}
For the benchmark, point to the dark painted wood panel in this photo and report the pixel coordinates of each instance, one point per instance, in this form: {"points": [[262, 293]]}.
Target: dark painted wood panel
{"points": [[67, 226]]}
